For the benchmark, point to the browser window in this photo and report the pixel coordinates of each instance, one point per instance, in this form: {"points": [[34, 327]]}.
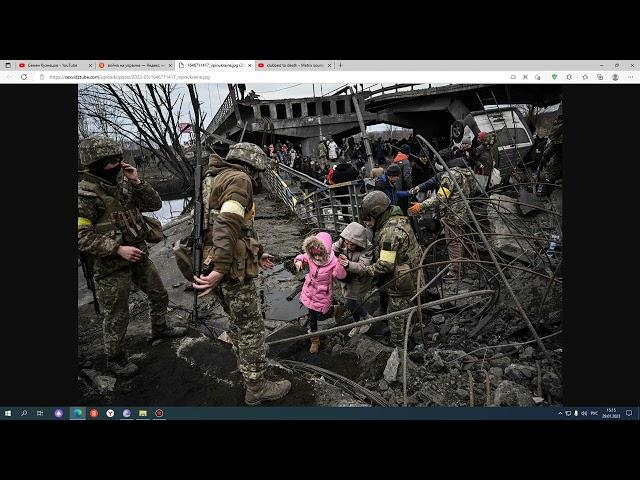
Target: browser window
{"points": [[386, 236]]}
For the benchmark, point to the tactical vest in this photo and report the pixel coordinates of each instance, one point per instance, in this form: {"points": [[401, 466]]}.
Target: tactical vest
{"points": [[246, 258], [126, 226], [405, 280], [455, 211]]}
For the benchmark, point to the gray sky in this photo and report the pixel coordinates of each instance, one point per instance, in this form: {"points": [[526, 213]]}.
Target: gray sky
{"points": [[213, 94]]}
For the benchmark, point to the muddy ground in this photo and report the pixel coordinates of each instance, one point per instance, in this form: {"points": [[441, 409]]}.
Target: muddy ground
{"points": [[201, 369]]}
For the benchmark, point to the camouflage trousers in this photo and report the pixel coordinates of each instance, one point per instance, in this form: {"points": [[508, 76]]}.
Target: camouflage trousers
{"points": [[455, 246], [113, 297], [396, 324], [240, 302]]}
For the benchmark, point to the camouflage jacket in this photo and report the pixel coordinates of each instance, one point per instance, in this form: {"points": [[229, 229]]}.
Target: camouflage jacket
{"points": [[322, 150], [396, 250], [100, 231], [234, 246], [452, 208], [556, 139]]}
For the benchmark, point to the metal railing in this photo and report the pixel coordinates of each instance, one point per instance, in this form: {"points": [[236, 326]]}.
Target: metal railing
{"points": [[328, 207], [222, 112]]}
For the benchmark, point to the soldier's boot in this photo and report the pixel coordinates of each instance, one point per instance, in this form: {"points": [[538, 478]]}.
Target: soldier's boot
{"points": [[121, 366], [315, 345], [165, 331], [264, 390]]}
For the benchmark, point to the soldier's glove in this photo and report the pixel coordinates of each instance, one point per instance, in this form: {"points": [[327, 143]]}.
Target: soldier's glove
{"points": [[416, 208]]}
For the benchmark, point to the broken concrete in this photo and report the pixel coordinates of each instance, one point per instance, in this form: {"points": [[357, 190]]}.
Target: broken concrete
{"points": [[206, 369], [519, 373], [103, 383], [551, 384], [391, 369], [511, 394]]}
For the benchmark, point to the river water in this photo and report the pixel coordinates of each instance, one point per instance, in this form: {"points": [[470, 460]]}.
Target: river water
{"points": [[170, 210]]}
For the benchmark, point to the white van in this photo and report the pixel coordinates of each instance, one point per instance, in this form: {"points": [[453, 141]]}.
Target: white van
{"points": [[513, 137]]}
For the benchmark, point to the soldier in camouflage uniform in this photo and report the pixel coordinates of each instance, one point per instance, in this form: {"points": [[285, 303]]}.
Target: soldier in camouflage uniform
{"points": [[396, 251], [112, 230], [454, 214], [231, 255], [551, 162], [322, 154]]}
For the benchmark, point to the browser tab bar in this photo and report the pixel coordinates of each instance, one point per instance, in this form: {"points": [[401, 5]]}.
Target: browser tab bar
{"points": [[214, 65]]}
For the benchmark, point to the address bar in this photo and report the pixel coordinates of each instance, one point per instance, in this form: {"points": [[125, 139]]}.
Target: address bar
{"points": [[112, 77]]}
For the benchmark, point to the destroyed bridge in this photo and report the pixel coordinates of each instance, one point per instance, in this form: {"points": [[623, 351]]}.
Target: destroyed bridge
{"points": [[428, 111]]}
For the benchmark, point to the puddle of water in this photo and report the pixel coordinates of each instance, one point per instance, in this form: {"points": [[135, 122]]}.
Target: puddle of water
{"points": [[276, 307], [273, 296]]}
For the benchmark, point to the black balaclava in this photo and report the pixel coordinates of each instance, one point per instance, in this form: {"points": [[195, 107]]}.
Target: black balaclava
{"points": [[110, 176]]}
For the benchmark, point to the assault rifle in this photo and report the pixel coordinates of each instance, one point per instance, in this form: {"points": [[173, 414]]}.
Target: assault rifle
{"points": [[87, 271]]}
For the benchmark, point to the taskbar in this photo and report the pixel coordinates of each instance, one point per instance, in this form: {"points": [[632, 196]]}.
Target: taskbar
{"points": [[123, 413]]}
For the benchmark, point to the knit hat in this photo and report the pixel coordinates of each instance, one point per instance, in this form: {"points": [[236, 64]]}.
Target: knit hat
{"points": [[393, 170]]}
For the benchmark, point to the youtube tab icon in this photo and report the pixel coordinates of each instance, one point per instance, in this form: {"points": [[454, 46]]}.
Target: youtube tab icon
{"points": [[261, 65], [22, 65]]}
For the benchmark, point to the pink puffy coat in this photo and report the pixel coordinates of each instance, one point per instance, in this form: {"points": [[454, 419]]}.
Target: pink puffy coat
{"points": [[317, 291]]}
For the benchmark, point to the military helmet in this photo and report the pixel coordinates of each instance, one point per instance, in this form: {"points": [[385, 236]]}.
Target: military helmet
{"points": [[96, 148], [374, 204], [249, 153]]}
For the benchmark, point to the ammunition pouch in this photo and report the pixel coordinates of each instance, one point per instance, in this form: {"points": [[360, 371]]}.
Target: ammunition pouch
{"points": [[246, 261], [134, 226], [154, 230]]}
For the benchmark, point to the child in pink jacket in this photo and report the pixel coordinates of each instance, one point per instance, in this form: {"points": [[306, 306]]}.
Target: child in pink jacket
{"points": [[317, 291]]}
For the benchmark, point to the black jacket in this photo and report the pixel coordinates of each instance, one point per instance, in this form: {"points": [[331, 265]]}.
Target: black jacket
{"points": [[378, 154], [344, 172], [420, 173]]}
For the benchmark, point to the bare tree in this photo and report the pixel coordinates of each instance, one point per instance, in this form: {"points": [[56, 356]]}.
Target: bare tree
{"points": [[531, 114], [146, 115], [83, 126], [389, 131]]}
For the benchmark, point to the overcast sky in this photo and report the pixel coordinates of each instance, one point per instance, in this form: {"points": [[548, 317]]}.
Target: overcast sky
{"points": [[213, 94]]}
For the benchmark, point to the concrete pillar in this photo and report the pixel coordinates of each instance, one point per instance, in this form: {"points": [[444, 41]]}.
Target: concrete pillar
{"points": [[334, 108], [273, 111], [256, 111], [310, 147], [305, 112], [289, 110], [458, 109]]}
